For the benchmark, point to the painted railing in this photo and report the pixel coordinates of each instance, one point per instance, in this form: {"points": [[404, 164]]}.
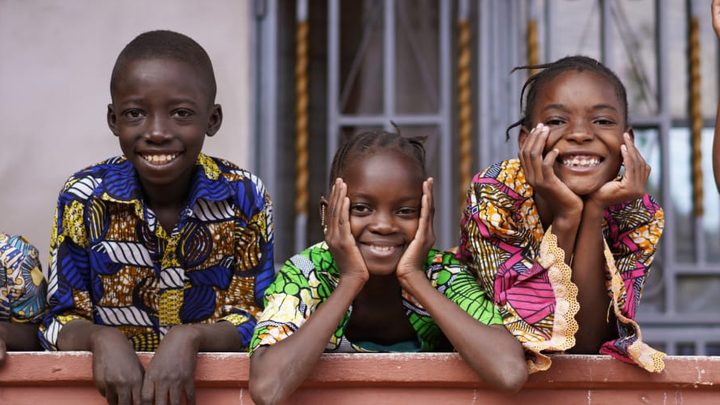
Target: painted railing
{"points": [[429, 378]]}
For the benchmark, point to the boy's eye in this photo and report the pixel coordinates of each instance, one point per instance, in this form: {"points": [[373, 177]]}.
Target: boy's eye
{"points": [[604, 122], [133, 114], [182, 113]]}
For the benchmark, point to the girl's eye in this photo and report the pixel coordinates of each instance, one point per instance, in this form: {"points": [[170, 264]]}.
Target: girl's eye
{"points": [[359, 209], [408, 212], [553, 122]]}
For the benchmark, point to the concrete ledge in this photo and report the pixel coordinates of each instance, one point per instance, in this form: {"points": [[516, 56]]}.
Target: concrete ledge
{"points": [[437, 378]]}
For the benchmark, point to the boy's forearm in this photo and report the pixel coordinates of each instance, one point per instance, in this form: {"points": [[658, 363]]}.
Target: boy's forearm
{"points": [[588, 273], [215, 337], [492, 352], [20, 336], [79, 335]]}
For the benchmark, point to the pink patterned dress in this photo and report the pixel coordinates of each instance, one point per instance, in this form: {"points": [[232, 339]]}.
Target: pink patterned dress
{"points": [[521, 266]]}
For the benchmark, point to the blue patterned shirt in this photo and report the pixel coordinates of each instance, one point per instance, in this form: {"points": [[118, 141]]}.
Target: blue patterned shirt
{"points": [[111, 261]]}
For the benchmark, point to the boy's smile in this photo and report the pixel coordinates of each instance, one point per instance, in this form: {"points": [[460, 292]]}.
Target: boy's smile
{"points": [[161, 112], [385, 190], [586, 122]]}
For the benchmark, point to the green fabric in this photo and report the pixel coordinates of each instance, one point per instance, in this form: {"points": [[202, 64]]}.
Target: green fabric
{"points": [[308, 278]]}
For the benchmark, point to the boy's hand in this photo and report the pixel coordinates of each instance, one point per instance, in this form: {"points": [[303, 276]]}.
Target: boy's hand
{"points": [[339, 239], [716, 16], [416, 253], [541, 176], [170, 374], [632, 184], [117, 371]]}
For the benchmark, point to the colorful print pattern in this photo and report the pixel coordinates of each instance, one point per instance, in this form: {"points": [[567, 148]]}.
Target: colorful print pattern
{"points": [[22, 285], [308, 278], [501, 240], [112, 263]]}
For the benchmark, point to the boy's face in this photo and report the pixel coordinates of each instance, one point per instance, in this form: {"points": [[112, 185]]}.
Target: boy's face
{"points": [[161, 111]]}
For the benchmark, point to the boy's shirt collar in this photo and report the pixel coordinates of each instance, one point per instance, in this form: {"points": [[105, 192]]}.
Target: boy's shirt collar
{"points": [[120, 183]]}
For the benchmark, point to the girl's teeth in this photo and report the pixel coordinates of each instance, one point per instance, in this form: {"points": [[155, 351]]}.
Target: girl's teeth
{"points": [[581, 161]]}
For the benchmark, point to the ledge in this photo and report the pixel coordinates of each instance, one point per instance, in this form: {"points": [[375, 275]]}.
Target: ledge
{"points": [[66, 378]]}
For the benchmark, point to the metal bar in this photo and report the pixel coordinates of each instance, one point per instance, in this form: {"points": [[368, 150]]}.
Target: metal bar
{"points": [[381, 120], [389, 63], [447, 221], [265, 134], [606, 42], [333, 78], [302, 177]]}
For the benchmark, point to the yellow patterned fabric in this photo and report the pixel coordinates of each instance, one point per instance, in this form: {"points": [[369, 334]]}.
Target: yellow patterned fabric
{"points": [[111, 262], [521, 266]]}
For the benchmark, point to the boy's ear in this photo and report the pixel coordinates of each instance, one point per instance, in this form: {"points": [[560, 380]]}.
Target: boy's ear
{"points": [[215, 120], [112, 119]]}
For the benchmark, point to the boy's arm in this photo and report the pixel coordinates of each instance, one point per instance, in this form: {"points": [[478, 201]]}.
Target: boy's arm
{"points": [[254, 243], [117, 372], [171, 371]]}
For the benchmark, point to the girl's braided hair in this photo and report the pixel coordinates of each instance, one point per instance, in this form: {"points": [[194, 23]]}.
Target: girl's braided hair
{"points": [[552, 70], [370, 142]]}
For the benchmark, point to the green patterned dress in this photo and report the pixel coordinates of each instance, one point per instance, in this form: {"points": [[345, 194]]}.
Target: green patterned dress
{"points": [[308, 278]]}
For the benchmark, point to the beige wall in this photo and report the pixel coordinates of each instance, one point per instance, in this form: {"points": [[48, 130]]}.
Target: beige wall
{"points": [[55, 63]]}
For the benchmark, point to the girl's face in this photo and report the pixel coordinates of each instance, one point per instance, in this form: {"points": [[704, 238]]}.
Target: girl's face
{"points": [[586, 121], [385, 190]]}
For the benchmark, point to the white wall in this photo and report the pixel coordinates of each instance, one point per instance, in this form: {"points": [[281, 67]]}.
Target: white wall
{"points": [[55, 63]]}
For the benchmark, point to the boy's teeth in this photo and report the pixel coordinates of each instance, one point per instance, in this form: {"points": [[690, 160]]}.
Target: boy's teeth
{"points": [[160, 159]]}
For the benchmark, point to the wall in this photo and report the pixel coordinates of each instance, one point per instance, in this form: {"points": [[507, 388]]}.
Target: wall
{"points": [[55, 63], [427, 378]]}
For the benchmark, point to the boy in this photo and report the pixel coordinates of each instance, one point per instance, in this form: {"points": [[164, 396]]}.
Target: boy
{"points": [[22, 294], [151, 250]]}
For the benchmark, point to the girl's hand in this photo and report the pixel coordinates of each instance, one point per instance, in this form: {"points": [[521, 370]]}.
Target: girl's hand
{"points": [[413, 260], [339, 238], [716, 16], [541, 176], [632, 185]]}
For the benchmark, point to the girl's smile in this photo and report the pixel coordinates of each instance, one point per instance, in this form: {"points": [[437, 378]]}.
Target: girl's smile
{"points": [[385, 190], [586, 123]]}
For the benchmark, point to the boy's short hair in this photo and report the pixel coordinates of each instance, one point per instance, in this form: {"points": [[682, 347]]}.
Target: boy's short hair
{"points": [[163, 44]]}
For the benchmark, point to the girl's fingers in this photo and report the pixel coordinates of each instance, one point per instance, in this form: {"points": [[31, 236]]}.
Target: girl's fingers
{"points": [[547, 164], [426, 210]]}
